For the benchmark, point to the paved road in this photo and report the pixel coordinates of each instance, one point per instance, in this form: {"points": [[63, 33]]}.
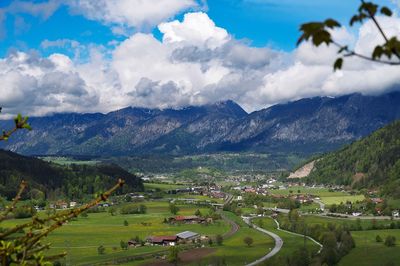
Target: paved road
{"points": [[278, 210], [296, 234], [276, 249]]}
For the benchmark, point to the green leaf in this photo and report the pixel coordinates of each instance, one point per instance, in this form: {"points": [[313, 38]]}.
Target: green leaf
{"points": [[377, 53], [27, 126], [331, 23], [354, 19], [386, 11], [338, 64], [320, 37]]}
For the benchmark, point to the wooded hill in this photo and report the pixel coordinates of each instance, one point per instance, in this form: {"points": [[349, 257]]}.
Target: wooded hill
{"points": [[371, 162], [57, 181]]}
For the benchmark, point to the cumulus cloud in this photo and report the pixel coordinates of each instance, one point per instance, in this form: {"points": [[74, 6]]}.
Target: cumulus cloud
{"points": [[130, 13], [38, 85], [195, 29], [196, 62]]}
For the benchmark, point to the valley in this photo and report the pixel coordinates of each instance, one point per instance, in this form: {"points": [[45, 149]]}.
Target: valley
{"points": [[223, 202]]}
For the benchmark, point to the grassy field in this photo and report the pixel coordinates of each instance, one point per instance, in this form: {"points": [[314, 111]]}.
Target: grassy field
{"points": [[67, 161], [291, 242], [234, 250], [317, 220], [328, 197], [162, 186], [195, 197], [329, 200], [370, 253], [82, 237], [320, 192]]}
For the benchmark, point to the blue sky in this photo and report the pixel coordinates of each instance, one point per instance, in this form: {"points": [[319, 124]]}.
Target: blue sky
{"points": [[102, 55], [261, 22]]}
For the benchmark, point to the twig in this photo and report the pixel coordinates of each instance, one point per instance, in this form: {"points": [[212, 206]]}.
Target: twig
{"points": [[10, 208]]}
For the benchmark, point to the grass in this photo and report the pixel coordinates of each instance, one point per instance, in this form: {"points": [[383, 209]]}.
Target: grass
{"points": [[370, 253], [68, 161], [328, 197], [320, 192], [338, 199], [196, 197], [291, 243], [365, 223], [162, 186], [235, 252], [81, 238]]}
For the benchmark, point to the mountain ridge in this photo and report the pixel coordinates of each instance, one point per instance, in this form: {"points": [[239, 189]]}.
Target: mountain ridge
{"points": [[309, 125]]}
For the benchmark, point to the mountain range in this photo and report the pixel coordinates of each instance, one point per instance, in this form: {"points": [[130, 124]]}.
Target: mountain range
{"points": [[308, 125]]}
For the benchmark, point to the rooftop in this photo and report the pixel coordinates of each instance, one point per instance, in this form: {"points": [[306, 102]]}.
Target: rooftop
{"points": [[187, 234]]}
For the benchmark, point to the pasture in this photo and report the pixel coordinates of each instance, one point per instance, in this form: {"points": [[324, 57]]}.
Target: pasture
{"points": [[81, 238], [368, 252], [162, 186], [327, 196], [235, 252], [291, 243]]}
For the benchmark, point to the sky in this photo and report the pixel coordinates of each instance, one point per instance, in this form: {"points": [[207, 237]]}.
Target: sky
{"points": [[103, 55]]}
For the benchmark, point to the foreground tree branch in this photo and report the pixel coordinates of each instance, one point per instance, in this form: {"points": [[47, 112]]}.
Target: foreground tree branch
{"points": [[319, 33]]}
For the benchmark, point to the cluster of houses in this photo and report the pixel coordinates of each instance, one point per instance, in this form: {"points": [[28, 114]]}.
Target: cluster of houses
{"points": [[191, 219], [170, 240], [63, 205]]}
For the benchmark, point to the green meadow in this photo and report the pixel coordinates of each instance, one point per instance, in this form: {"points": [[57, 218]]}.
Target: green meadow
{"points": [[329, 200], [365, 223], [162, 186], [291, 242], [368, 252], [81, 238], [328, 197], [235, 252]]}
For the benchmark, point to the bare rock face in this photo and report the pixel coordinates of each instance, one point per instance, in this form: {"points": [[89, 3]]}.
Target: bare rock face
{"points": [[303, 171], [309, 125]]}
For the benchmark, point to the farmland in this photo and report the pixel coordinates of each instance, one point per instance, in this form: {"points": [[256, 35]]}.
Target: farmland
{"points": [[81, 238]]}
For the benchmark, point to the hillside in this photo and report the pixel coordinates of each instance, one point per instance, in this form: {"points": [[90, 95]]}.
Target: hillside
{"points": [[74, 182], [371, 162], [311, 125]]}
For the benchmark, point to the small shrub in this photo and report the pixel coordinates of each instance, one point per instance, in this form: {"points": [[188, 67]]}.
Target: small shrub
{"points": [[390, 241], [248, 241], [101, 250]]}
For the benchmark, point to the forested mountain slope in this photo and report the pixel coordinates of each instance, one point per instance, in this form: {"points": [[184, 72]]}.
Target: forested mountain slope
{"points": [[373, 161], [74, 181]]}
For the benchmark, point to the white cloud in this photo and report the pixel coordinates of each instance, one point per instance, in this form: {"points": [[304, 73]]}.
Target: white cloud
{"points": [[130, 13], [195, 29], [195, 63]]}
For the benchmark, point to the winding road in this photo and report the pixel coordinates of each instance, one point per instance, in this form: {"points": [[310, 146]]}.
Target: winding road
{"points": [[278, 242], [296, 234]]}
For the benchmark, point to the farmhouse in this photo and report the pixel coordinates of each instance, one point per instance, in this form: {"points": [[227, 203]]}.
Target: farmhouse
{"points": [[377, 200], [133, 243], [163, 240], [188, 235], [193, 219]]}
